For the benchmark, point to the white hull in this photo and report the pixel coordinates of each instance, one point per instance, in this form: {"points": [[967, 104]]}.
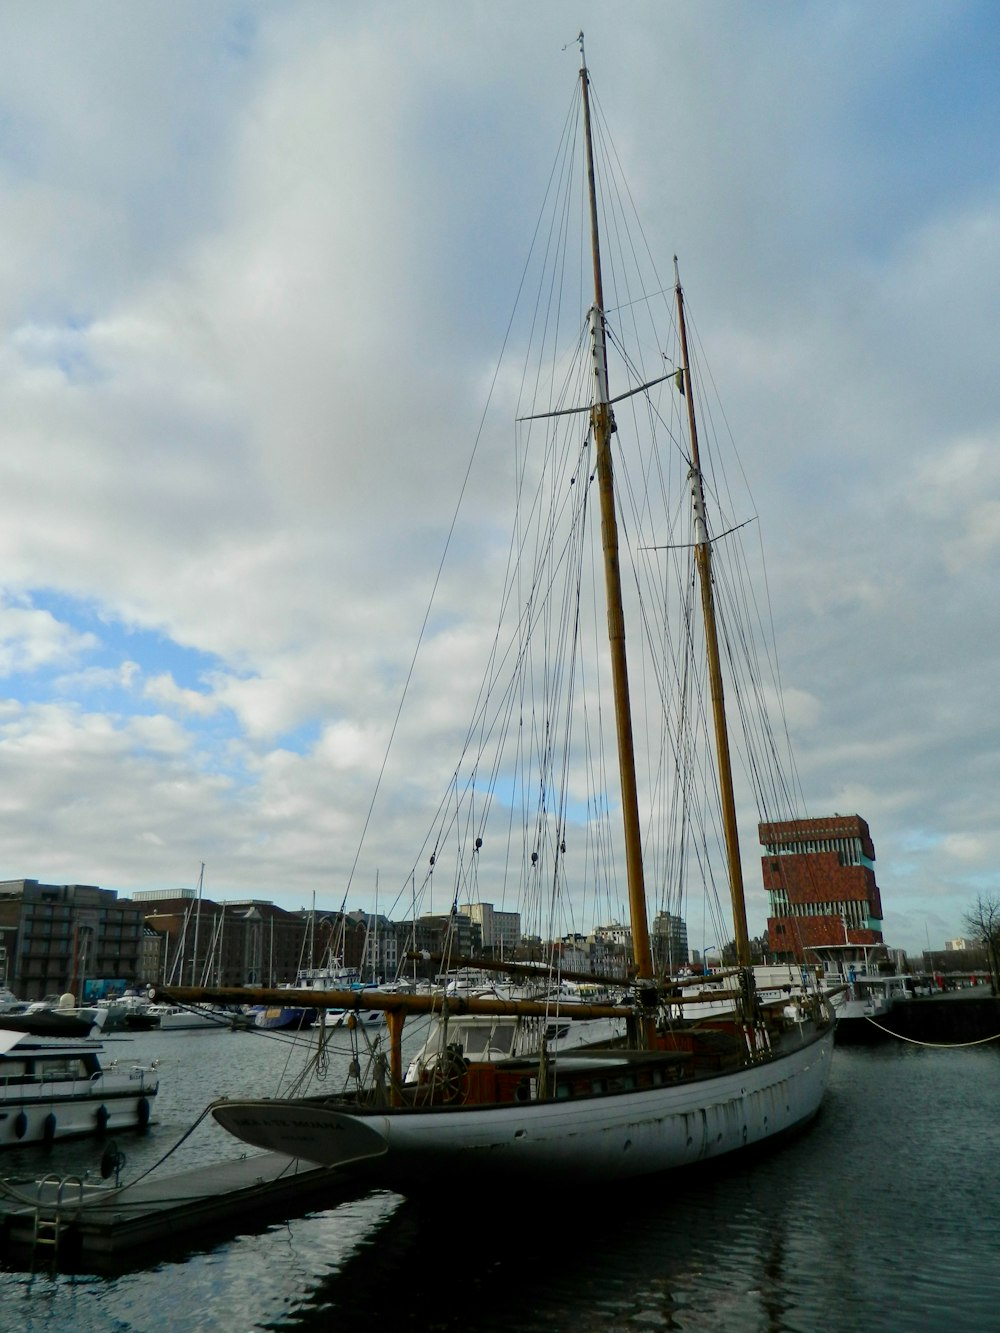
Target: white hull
{"points": [[188, 1020], [74, 1116], [865, 1004], [364, 1018], [50, 1102], [610, 1137]]}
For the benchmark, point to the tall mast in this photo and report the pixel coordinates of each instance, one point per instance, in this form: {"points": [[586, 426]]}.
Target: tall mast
{"points": [[703, 560], [604, 427]]}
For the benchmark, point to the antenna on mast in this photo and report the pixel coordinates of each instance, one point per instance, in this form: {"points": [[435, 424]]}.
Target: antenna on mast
{"points": [[578, 40]]}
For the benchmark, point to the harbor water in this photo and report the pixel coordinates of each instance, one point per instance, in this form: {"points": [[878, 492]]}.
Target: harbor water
{"points": [[883, 1215]]}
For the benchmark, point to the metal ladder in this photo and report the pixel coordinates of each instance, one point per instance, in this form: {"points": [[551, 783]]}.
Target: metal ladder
{"points": [[49, 1212]]}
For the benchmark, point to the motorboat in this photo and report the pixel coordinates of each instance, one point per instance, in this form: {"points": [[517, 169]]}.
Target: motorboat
{"points": [[56, 1088]]}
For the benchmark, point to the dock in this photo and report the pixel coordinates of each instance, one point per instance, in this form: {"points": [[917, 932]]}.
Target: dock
{"points": [[952, 1019], [65, 1221]]}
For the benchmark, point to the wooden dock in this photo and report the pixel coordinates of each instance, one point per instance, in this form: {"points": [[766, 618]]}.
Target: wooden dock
{"points": [[63, 1221]]}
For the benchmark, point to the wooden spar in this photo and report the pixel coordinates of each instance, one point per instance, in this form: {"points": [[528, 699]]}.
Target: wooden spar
{"points": [[603, 424], [541, 971], [703, 559], [394, 1022], [558, 1006]]}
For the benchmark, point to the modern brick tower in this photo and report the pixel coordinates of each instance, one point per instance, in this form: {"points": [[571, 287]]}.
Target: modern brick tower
{"points": [[820, 878]]}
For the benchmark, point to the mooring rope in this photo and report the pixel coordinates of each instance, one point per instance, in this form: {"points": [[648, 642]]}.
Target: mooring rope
{"points": [[938, 1045]]}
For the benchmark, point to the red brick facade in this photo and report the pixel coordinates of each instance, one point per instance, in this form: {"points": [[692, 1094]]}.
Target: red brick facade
{"points": [[819, 886]]}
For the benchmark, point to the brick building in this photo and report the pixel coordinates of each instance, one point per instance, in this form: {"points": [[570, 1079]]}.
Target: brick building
{"points": [[248, 942], [820, 878], [67, 938]]}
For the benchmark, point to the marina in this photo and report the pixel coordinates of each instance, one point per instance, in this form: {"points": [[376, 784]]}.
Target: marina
{"points": [[762, 1245], [382, 543]]}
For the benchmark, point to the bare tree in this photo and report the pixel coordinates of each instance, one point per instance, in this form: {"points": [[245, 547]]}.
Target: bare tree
{"points": [[983, 922]]}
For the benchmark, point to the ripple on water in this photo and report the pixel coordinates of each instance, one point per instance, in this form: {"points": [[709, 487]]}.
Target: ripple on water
{"points": [[882, 1216]]}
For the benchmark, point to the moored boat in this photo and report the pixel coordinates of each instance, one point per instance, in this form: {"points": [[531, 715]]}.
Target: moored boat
{"points": [[55, 1016], [675, 1089], [282, 1017], [189, 1018], [56, 1088]]}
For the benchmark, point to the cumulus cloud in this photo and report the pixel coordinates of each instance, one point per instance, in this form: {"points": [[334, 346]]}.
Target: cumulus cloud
{"points": [[254, 272], [164, 690], [31, 638]]}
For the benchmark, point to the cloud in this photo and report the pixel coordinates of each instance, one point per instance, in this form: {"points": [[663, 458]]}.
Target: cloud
{"points": [[163, 689], [257, 266], [31, 638]]}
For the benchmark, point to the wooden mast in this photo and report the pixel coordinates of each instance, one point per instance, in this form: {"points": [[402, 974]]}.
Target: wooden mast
{"points": [[604, 427], [703, 560]]}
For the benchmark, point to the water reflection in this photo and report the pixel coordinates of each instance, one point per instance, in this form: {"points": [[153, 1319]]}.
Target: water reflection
{"points": [[844, 1225]]}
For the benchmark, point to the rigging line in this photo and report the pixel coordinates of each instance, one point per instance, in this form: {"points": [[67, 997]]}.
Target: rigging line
{"points": [[589, 407], [694, 755], [617, 222], [644, 299], [451, 530], [534, 608], [682, 546], [598, 814], [675, 438], [619, 175], [516, 544], [572, 613], [492, 674], [758, 722]]}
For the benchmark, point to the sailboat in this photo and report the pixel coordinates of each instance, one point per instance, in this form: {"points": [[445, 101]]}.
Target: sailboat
{"points": [[676, 1091]]}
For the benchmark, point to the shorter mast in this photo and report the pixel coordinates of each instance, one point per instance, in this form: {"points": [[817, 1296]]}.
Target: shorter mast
{"points": [[703, 560]]}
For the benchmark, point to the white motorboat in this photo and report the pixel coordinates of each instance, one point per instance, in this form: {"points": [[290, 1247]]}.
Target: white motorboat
{"points": [[56, 1088], [189, 1018]]}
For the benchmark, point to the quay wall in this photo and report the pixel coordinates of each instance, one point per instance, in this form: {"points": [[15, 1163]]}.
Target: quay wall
{"points": [[946, 1018]]}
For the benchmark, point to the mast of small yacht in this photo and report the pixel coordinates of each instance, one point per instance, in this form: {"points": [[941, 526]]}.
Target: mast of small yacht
{"points": [[603, 424], [197, 923], [703, 560]]}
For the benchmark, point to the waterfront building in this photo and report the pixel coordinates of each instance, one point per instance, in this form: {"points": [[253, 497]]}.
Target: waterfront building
{"points": [[960, 945], [8, 946], [669, 938], [820, 879], [501, 931], [576, 953], [605, 952], [611, 949], [68, 939], [151, 953], [451, 935], [243, 942]]}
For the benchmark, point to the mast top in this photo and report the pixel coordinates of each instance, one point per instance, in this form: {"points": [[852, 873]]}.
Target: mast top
{"points": [[578, 39]]}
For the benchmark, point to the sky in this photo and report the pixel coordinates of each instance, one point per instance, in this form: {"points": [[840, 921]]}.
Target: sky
{"points": [[257, 261]]}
